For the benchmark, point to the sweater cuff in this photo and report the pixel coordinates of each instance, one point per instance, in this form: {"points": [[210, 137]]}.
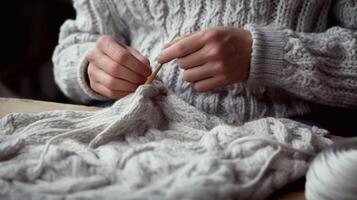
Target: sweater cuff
{"points": [[267, 61], [84, 82]]}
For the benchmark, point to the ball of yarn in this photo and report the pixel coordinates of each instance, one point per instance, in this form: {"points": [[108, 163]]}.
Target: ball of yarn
{"points": [[333, 173]]}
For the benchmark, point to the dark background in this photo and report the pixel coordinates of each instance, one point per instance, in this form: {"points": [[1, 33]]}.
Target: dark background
{"points": [[28, 35]]}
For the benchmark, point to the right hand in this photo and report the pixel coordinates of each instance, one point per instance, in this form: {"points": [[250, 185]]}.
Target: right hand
{"points": [[115, 70]]}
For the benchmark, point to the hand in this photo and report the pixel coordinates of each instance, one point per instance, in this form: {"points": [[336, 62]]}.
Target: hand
{"points": [[211, 58], [114, 69]]}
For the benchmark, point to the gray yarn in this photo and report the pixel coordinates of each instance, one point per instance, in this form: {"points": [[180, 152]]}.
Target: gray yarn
{"points": [[297, 58], [150, 145], [333, 174]]}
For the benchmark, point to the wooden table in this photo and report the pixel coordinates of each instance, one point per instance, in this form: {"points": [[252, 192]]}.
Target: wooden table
{"points": [[293, 191], [9, 105]]}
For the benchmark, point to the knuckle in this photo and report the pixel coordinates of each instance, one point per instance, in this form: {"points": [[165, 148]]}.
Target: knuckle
{"points": [[90, 55], [113, 69], [181, 63], [219, 67], [181, 49], [198, 88], [123, 57], [187, 76], [212, 35], [144, 61], [216, 52], [111, 83], [90, 70], [104, 40]]}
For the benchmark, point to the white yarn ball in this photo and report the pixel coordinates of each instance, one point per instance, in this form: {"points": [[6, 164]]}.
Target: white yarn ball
{"points": [[333, 173]]}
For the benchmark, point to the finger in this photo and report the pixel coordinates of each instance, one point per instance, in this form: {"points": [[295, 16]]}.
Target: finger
{"points": [[176, 40], [113, 94], [199, 73], [90, 71], [210, 84], [110, 82], [197, 58], [139, 56], [122, 55], [181, 48], [114, 69]]}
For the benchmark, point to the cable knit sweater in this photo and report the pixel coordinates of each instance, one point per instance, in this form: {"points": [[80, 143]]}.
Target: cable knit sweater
{"points": [[304, 52]]}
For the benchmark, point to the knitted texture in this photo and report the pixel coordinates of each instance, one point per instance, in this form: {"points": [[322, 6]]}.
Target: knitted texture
{"points": [[150, 145], [297, 58]]}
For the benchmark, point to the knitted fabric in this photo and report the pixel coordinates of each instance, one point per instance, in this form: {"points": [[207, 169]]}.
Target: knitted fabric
{"points": [[150, 145], [297, 58]]}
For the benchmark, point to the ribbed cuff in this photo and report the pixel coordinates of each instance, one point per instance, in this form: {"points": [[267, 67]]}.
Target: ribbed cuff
{"points": [[84, 82], [267, 60]]}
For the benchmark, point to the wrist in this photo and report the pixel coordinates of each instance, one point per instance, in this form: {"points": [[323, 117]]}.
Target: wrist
{"points": [[267, 55], [249, 49]]}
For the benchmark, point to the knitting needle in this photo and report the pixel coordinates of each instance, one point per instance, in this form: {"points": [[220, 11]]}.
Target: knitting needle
{"points": [[154, 74]]}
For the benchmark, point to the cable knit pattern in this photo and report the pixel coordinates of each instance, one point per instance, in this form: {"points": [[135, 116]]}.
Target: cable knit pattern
{"points": [[297, 58], [150, 145]]}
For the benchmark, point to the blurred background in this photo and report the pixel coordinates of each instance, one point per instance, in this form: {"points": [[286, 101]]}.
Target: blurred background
{"points": [[28, 35]]}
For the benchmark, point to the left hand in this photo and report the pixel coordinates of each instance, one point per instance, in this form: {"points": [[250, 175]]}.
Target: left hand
{"points": [[212, 58]]}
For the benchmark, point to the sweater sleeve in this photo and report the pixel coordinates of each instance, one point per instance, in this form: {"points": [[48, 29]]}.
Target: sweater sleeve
{"points": [[93, 18], [318, 67]]}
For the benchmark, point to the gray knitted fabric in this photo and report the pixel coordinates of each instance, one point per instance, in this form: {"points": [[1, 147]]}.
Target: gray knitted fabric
{"points": [[297, 56], [150, 145]]}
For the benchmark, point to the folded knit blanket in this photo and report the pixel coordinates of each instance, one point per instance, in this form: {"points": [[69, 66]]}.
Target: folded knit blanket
{"points": [[150, 145]]}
